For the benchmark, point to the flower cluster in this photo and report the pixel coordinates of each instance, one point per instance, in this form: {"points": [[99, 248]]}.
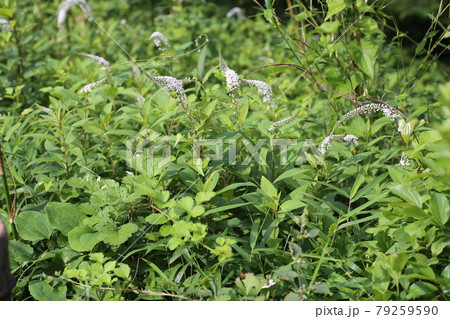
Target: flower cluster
{"points": [[139, 97], [159, 39], [4, 25], [234, 82], [280, 124], [66, 5], [171, 84], [366, 109], [236, 11], [89, 87], [97, 59], [326, 143], [404, 160], [263, 89], [47, 110]]}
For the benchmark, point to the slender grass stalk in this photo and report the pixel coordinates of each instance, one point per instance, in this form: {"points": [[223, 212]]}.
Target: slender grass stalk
{"points": [[7, 195]]}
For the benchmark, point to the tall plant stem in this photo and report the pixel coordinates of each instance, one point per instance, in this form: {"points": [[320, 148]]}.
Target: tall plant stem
{"points": [[7, 196]]}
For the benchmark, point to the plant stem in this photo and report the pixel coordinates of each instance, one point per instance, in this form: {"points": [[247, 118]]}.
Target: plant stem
{"points": [[6, 190]]}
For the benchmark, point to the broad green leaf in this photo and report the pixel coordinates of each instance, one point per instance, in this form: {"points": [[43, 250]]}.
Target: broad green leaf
{"points": [[174, 242], [440, 208], [201, 197], [291, 204], [123, 271], [414, 212], [6, 12], [117, 237], [424, 270], [42, 291], [408, 194], [197, 211], [83, 238], [399, 262], [64, 216], [268, 189], [334, 7], [186, 203], [33, 226], [21, 251], [156, 219], [321, 288], [329, 27]]}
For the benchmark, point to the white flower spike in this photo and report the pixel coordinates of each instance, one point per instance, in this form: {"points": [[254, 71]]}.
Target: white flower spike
{"points": [[160, 40], [326, 144], [66, 5], [97, 59], [280, 124], [89, 87]]}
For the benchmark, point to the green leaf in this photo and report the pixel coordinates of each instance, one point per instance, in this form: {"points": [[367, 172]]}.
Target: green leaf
{"points": [[156, 219], [254, 233], [329, 27], [33, 226], [21, 251], [6, 12], [201, 197], [268, 189], [201, 62], [334, 7], [360, 178], [197, 211], [83, 238], [117, 237], [321, 288], [291, 204], [187, 203], [64, 216], [123, 271], [174, 242], [424, 270], [439, 208], [408, 194], [42, 291]]}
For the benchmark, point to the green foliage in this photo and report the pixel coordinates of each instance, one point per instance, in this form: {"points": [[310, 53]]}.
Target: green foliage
{"points": [[123, 198]]}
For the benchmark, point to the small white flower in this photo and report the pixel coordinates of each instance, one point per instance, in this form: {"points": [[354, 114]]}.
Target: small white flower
{"points": [[236, 11], [270, 284], [231, 77], [47, 110], [4, 25], [404, 160], [279, 124], [263, 89], [351, 139], [159, 39], [171, 84], [97, 59], [123, 22], [89, 87], [136, 71], [326, 143], [139, 97], [66, 5]]}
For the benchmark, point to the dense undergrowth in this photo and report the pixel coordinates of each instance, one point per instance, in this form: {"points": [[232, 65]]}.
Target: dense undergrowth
{"points": [[115, 190]]}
